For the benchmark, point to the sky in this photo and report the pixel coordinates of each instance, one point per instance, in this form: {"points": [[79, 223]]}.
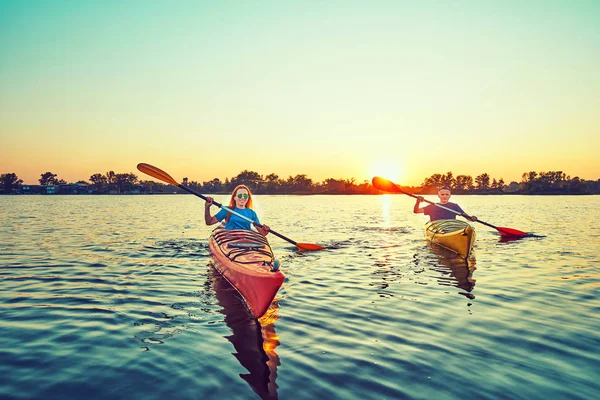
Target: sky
{"points": [[329, 89]]}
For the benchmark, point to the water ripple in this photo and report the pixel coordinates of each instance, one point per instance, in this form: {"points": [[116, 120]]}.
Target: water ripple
{"points": [[105, 297]]}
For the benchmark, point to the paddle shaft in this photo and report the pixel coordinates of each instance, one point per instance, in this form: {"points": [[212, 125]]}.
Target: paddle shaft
{"points": [[445, 208], [229, 210]]}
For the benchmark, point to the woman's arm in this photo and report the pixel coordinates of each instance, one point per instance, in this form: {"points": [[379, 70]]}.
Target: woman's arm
{"points": [[209, 219]]}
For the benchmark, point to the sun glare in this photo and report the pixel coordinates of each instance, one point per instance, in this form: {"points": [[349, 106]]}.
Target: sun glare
{"points": [[388, 169]]}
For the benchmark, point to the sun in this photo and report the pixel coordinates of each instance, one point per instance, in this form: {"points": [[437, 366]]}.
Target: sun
{"points": [[389, 169]]}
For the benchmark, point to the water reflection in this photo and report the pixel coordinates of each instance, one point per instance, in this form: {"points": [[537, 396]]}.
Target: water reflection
{"points": [[386, 206], [427, 264], [254, 340], [455, 271], [507, 239]]}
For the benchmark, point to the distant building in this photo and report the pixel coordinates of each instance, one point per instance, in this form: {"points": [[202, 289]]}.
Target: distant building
{"points": [[74, 188], [68, 188], [33, 189]]}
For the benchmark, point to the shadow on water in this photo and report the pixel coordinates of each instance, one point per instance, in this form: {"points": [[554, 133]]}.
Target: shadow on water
{"points": [[509, 239], [254, 340]]}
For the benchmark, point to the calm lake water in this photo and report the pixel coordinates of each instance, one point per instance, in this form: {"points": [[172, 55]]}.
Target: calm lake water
{"points": [[111, 297]]}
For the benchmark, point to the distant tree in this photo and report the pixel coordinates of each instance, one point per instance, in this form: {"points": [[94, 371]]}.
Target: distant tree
{"points": [[576, 186], [350, 186], [554, 181], [249, 178], [331, 186], [298, 183], [154, 187], [8, 182], [110, 177], [463, 183], [448, 180], [592, 187], [528, 180], [513, 187], [483, 182], [125, 182], [367, 188], [194, 186], [434, 181], [98, 181], [500, 185], [48, 178], [551, 182], [213, 186], [271, 183]]}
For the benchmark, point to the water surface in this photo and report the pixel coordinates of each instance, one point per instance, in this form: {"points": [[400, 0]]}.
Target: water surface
{"points": [[114, 297]]}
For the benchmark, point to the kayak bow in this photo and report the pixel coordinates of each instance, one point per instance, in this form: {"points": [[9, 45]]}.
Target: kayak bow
{"points": [[246, 260], [451, 234]]}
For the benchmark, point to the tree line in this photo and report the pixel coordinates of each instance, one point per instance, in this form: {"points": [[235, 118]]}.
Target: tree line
{"points": [[551, 182]]}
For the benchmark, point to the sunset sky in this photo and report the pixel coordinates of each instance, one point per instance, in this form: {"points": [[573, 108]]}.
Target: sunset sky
{"points": [[330, 89]]}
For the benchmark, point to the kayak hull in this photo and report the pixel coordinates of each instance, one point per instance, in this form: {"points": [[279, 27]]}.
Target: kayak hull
{"points": [[454, 235], [246, 260]]}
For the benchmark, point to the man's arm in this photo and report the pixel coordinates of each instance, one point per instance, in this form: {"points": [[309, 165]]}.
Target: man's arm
{"points": [[418, 209]]}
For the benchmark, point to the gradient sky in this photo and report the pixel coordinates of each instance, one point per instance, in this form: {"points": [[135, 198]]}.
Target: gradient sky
{"points": [[330, 89]]}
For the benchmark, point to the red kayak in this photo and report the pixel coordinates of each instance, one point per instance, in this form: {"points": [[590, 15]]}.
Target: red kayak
{"points": [[246, 260]]}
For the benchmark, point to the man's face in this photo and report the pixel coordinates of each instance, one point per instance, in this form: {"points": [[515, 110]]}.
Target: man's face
{"points": [[444, 196]]}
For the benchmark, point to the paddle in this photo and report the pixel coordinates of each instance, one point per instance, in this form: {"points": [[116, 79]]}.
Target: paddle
{"points": [[163, 176], [389, 186]]}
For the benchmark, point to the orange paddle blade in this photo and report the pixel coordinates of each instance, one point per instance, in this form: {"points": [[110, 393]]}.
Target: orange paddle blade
{"points": [[309, 247], [385, 185], [156, 173]]}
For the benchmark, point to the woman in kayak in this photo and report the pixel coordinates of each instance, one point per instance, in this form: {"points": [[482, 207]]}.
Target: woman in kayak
{"points": [[241, 202], [436, 212]]}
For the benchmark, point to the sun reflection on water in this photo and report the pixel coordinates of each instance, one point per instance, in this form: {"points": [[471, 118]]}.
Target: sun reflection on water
{"points": [[386, 206]]}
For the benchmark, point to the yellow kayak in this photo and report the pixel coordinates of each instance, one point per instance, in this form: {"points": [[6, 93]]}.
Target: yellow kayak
{"points": [[451, 234]]}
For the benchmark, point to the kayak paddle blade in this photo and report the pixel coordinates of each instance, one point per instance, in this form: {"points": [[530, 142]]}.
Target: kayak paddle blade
{"points": [[511, 233], [385, 185], [157, 173], [309, 247]]}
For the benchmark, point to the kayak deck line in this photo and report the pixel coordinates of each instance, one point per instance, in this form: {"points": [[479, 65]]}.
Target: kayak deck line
{"points": [[443, 226], [241, 245]]}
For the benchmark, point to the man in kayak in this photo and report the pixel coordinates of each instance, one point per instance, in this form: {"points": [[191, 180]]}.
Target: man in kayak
{"points": [[436, 212], [240, 202]]}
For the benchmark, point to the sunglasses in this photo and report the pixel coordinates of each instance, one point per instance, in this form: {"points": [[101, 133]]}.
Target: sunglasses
{"points": [[245, 195]]}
